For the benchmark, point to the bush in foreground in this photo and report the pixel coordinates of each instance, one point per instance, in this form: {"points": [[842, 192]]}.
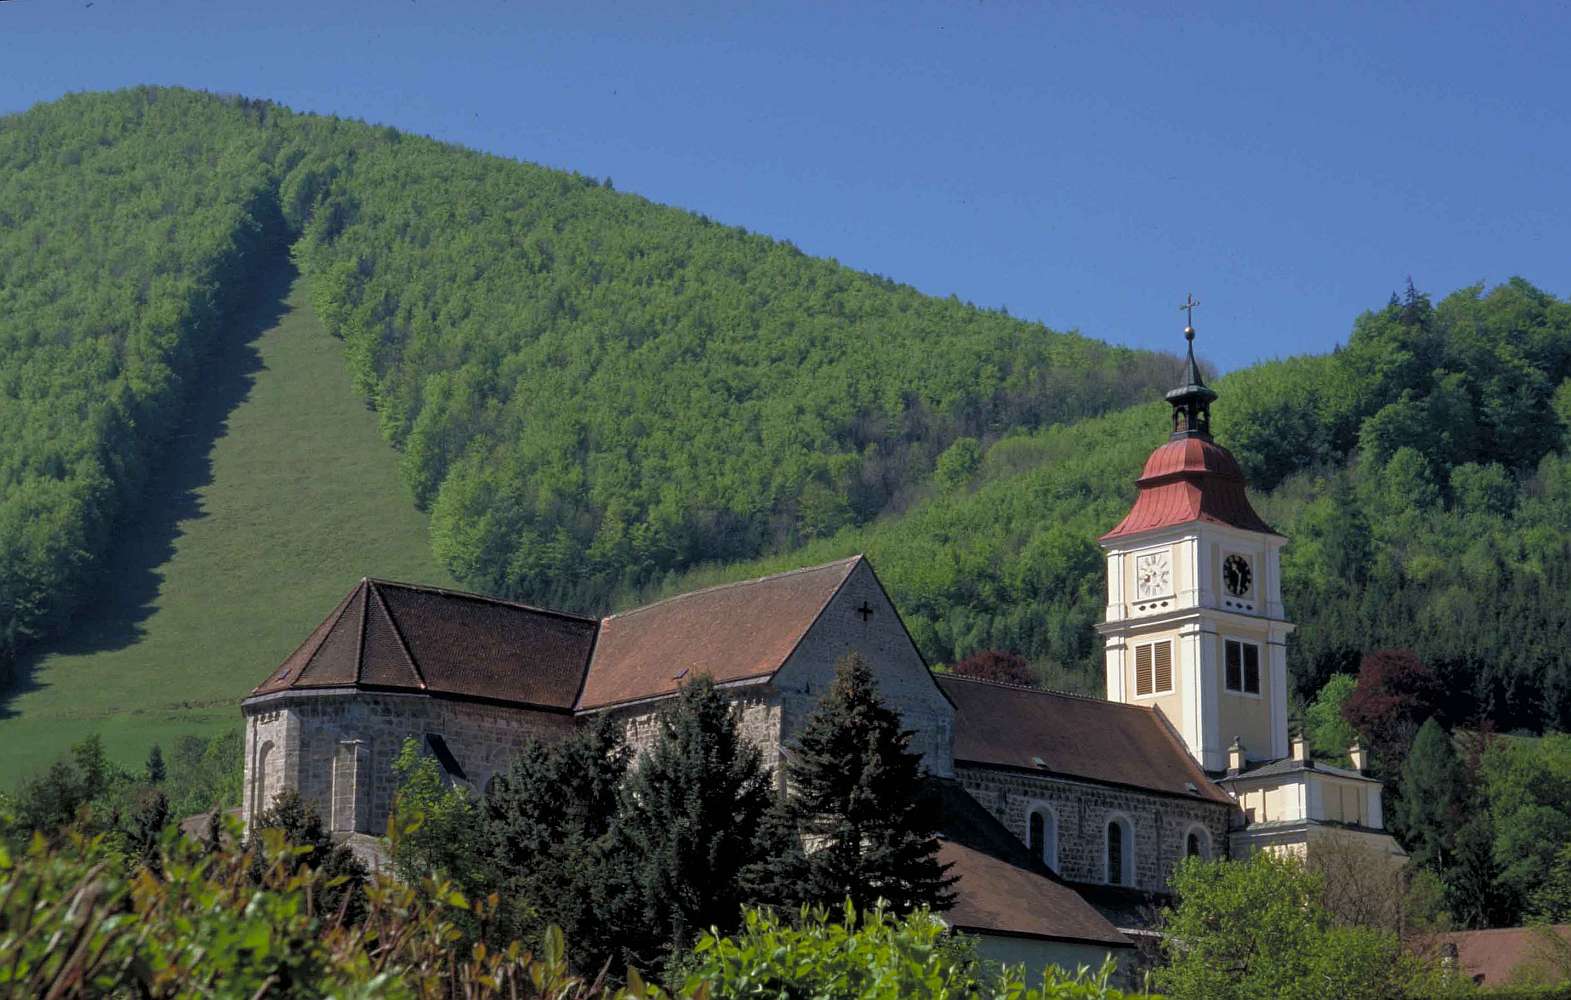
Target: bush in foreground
{"points": [[1256, 928], [874, 957], [201, 925]]}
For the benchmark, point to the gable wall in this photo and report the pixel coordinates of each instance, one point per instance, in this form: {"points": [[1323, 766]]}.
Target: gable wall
{"points": [[1161, 823], [903, 678]]}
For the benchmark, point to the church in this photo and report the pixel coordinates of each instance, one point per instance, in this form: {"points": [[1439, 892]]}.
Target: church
{"points": [[1064, 815]]}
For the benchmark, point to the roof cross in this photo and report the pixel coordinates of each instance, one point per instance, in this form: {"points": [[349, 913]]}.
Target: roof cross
{"points": [[1188, 306], [866, 611]]}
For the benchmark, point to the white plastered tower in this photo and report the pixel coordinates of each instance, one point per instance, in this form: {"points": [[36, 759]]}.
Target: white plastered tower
{"points": [[1194, 625]]}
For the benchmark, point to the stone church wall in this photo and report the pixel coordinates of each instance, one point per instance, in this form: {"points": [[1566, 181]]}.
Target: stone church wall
{"points": [[1161, 823], [758, 717], [338, 750], [903, 678]]}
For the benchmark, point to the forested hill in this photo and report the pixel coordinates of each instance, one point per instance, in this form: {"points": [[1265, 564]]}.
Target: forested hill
{"points": [[590, 391], [1422, 474]]}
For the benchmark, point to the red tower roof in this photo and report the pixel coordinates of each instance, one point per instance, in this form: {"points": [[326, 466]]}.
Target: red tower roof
{"points": [[1188, 479]]}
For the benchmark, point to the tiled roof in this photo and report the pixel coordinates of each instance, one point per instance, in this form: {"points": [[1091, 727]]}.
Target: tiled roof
{"points": [[1004, 725], [1490, 958], [734, 632], [397, 637], [1002, 888], [1190, 479]]}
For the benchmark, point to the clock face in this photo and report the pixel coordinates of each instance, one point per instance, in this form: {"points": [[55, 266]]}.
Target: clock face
{"points": [[1153, 575], [1237, 576]]}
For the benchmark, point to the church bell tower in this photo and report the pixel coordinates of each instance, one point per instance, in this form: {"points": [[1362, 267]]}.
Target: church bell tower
{"points": [[1195, 626]]}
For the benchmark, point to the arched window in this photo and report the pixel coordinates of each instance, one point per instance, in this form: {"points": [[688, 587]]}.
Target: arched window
{"points": [[1120, 852], [1042, 834], [1197, 844]]}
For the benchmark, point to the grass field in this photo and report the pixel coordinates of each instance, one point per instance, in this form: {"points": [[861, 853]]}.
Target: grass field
{"points": [[278, 495]]}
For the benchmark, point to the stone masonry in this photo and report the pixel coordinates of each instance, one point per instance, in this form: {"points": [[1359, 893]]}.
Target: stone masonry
{"points": [[860, 618], [1161, 823], [337, 748]]}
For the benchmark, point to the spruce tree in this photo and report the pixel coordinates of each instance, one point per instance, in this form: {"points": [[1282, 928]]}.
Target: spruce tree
{"points": [[690, 825], [1434, 794], [859, 796], [155, 765], [546, 840]]}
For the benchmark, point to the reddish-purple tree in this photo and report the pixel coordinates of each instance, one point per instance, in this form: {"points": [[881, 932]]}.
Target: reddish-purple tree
{"points": [[1394, 695], [997, 665]]}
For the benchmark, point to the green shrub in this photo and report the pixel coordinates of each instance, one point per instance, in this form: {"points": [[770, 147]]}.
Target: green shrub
{"points": [[1243, 930], [872, 956], [196, 925]]}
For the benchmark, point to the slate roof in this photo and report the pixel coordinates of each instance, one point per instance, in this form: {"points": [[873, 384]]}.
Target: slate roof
{"points": [[1190, 479], [734, 632], [1490, 958], [397, 637], [1062, 735], [1002, 887]]}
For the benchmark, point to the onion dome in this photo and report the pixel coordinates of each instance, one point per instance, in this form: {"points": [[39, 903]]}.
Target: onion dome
{"points": [[1190, 477]]}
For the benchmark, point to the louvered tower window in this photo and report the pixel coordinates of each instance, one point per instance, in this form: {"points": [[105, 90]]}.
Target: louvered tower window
{"points": [[1154, 668]]}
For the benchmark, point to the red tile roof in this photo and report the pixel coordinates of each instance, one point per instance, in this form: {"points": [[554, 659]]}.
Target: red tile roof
{"points": [[1004, 725], [733, 632], [1493, 958], [394, 636], [1002, 888], [1190, 479]]}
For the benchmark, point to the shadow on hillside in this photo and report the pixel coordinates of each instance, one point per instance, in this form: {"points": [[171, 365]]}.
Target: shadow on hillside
{"points": [[113, 616]]}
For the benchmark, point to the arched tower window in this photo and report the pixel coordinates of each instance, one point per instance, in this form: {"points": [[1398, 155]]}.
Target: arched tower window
{"points": [[1042, 834], [1120, 852]]}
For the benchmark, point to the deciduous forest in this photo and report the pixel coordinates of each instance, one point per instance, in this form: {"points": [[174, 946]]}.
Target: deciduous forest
{"points": [[589, 390]]}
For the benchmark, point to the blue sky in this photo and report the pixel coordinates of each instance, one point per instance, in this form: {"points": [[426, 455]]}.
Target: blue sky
{"points": [[1078, 164]]}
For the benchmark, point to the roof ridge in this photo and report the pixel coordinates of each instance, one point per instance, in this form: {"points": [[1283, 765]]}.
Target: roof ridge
{"points": [[1041, 690], [398, 633], [471, 596], [848, 561]]}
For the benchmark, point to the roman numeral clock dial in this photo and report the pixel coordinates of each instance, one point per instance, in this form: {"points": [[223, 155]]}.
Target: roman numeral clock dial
{"points": [[1153, 575]]}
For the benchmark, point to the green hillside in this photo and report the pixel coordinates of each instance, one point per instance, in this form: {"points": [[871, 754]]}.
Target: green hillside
{"points": [[276, 495], [589, 391], [598, 398]]}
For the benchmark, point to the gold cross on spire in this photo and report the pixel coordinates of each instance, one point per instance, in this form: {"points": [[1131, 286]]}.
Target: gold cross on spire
{"points": [[1188, 306]]}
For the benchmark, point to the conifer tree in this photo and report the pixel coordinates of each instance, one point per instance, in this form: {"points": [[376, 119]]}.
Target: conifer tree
{"points": [[156, 771], [546, 839], [690, 824], [1434, 794], [857, 792]]}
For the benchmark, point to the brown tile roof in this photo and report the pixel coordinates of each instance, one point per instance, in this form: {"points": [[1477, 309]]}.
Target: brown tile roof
{"points": [[1190, 479], [1004, 725], [1492, 958], [394, 636], [1002, 889], [733, 632]]}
